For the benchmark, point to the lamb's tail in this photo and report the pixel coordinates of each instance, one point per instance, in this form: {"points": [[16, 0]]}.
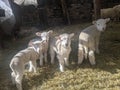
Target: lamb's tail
{"points": [[14, 73], [12, 67]]}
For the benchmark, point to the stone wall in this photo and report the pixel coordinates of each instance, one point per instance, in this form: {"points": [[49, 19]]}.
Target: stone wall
{"points": [[79, 11]]}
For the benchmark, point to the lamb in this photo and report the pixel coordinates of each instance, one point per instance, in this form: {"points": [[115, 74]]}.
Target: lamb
{"points": [[108, 12], [43, 36], [62, 46], [18, 62], [117, 11], [112, 13], [89, 40]]}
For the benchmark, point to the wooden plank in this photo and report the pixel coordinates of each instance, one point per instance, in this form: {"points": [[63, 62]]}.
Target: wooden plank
{"points": [[97, 7], [65, 12]]}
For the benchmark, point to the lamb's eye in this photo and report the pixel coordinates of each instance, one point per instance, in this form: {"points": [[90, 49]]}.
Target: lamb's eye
{"points": [[98, 24]]}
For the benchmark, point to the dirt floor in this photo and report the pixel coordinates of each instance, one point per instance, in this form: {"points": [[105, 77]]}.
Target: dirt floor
{"points": [[105, 75]]}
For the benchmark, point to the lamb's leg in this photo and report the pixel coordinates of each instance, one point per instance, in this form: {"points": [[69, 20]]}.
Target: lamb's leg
{"points": [[61, 67], [13, 77], [41, 60], [19, 82], [61, 63], [45, 56], [18, 79], [66, 61], [52, 55], [34, 66], [97, 45], [80, 54], [92, 57], [86, 51], [30, 66]]}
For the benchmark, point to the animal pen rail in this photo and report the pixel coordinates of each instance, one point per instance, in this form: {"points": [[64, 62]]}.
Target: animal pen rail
{"points": [[58, 12]]}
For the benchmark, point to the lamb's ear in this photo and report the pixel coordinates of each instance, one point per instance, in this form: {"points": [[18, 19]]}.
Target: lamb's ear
{"points": [[36, 48], [50, 31], [93, 22], [71, 35], [38, 34], [107, 20]]}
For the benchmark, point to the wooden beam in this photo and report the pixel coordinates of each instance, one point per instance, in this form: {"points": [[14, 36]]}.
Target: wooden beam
{"points": [[65, 12], [97, 7]]}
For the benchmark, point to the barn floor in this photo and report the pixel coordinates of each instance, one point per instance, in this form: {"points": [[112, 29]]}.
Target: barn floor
{"points": [[105, 75]]}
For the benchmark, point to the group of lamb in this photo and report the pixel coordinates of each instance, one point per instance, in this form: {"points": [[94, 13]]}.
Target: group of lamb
{"points": [[60, 46]]}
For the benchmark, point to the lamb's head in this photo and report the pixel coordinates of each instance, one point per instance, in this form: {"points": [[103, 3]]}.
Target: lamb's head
{"points": [[64, 39], [38, 45], [101, 24], [45, 35]]}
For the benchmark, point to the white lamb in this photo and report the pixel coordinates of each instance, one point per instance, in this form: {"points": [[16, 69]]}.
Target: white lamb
{"points": [[62, 47], [18, 62], [43, 36], [89, 40]]}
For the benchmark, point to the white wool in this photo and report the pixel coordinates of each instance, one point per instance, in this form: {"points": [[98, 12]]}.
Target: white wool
{"points": [[17, 64], [62, 47], [89, 40]]}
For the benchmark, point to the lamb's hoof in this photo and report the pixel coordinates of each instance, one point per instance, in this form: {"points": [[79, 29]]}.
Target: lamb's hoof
{"points": [[62, 70], [30, 70]]}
